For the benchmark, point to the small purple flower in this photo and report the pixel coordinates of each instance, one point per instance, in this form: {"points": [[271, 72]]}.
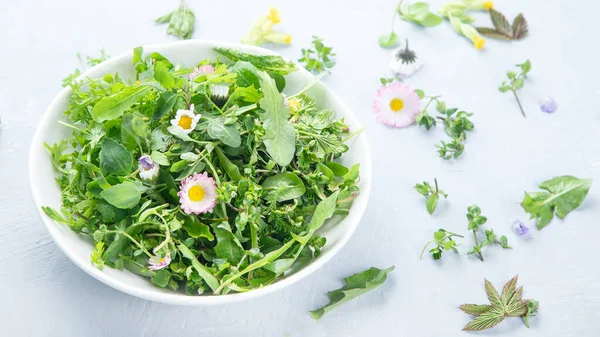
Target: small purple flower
{"points": [[146, 162], [519, 228], [148, 168], [548, 105]]}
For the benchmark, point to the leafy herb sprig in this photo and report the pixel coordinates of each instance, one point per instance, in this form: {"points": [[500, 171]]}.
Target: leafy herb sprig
{"points": [[356, 285], [507, 304], [318, 58], [503, 29], [517, 81], [477, 220], [417, 13], [443, 240], [181, 21], [432, 193], [561, 195]]}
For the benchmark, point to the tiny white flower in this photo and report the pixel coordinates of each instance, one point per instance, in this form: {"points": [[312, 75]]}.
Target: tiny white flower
{"points": [[186, 120], [198, 194], [404, 61], [219, 94], [148, 168], [158, 263]]}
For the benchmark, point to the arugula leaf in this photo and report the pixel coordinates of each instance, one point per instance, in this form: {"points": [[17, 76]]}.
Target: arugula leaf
{"points": [[280, 137], [271, 63], [112, 107], [230, 168], [284, 186], [563, 195], [356, 285], [181, 21]]}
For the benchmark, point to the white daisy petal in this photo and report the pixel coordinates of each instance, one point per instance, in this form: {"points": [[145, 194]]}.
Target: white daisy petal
{"points": [[186, 120], [198, 194]]}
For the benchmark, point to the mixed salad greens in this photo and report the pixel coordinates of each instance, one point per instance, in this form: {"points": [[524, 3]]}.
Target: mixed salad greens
{"points": [[208, 178]]}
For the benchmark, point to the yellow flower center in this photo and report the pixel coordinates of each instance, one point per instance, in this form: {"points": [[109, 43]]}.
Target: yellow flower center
{"points": [[488, 5], [478, 42], [185, 122], [162, 259], [274, 15], [137, 82], [288, 39], [396, 104], [196, 193]]}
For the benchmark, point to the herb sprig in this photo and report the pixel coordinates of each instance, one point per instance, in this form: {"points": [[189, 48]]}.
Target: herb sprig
{"points": [[517, 81], [181, 21], [503, 29], [432, 193], [444, 240], [318, 58], [477, 220]]}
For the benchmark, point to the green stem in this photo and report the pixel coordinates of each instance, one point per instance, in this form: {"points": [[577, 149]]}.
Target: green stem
{"points": [[217, 180], [136, 243], [454, 234], [424, 248], [353, 134], [477, 245], [73, 127], [519, 102]]}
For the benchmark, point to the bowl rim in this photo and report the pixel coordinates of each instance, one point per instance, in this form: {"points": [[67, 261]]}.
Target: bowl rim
{"points": [[358, 209]]}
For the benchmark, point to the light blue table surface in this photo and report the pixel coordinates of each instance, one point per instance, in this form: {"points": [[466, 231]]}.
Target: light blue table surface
{"points": [[43, 294]]}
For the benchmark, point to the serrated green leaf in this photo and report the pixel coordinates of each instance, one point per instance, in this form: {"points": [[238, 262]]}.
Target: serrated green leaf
{"points": [[475, 309], [519, 27], [356, 285], [486, 320], [271, 63], [492, 294], [509, 290], [491, 32], [500, 23]]}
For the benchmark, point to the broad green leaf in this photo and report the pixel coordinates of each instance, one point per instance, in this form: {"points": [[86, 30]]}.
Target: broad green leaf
{"points": [[244, 94], [138, 63], [486, 320], [247, 74], [140, 128], [280, 137], [390, 40], [196, 229], [323, 211], [271, 63], [230, 168], [165, 104], [161, 278], [490, 32], [163, 76], [430, 20], [204, 272], [356, 285], [284, 186], [338, 170], [160, 158], [353, 173], [563, 195], [115, 159], [227, 246], [113, 106], [124, 195], [228, 134], [432, 202], [500, 23], [519, 27]]}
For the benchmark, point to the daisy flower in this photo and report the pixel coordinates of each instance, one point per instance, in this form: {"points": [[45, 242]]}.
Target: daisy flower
{"points": [[202, 70], [148, 168], [158, 263], [198, 194], [403, 61], [186, 120], [396, 105], [219, 94]]}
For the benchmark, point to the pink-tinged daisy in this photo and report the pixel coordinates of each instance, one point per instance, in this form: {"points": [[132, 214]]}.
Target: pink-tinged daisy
{"points": [[186, 120], [148, 168], [158, 263], [202, 70], [198, 194], [396, 105]]}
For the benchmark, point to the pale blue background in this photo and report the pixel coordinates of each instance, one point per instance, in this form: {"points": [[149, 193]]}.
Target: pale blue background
{"points": [[43, 294]]}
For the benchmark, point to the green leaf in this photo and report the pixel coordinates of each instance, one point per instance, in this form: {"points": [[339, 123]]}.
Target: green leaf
{"points": [[509, 289], [227, 246], [338, 170], [283, 186], [161, 278], [113, 106], [519, 27], [140, 128], [492, 294], [475, 309], [323, 211], [525, 67], [563, 195], [164, 105], [486, 320], [430, 20], [500, 23], [228, 134], [163, 76], [115, 159], [181, 22], [196, 229], [493, 33], [55, 215], [124, 195], [204, 272], [271, 63], [420, 93], [230, 168], [120, 243], [389, 40], [138, 62], [280, 137], [353, 173], [160, 158], [356, 285], [247, 74], [432, 202]]}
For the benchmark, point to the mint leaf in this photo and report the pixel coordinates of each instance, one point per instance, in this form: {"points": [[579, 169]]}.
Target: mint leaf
{"points": [[563, 195], [356, 285]]}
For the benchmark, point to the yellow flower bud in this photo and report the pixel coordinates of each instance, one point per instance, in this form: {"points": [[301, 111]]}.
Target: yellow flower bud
{"points": [[478, 42]]}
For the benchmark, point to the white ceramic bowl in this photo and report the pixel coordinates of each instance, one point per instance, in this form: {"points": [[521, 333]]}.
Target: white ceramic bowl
{"points": [[78, 247]]}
